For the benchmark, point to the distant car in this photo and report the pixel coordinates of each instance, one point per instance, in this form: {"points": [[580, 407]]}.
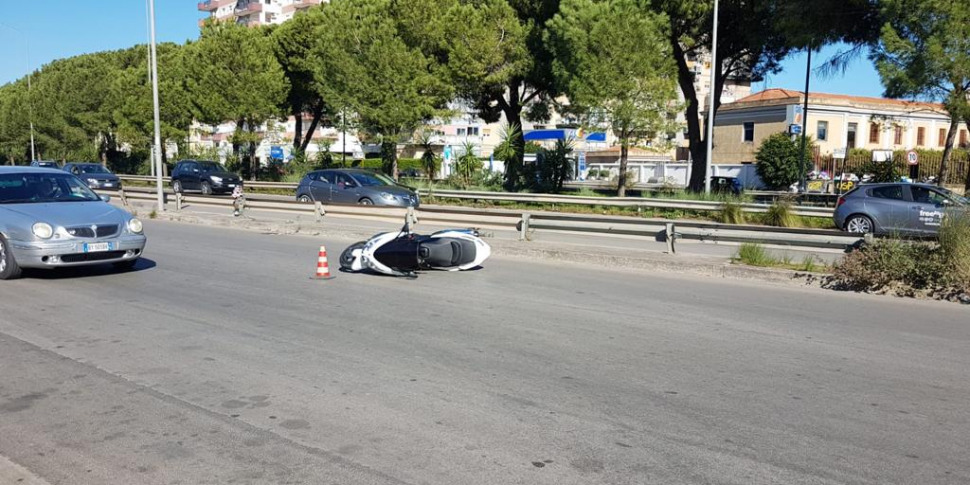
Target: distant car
{"points": [[353, 186], [51, 219], [726, 185], [205, 176], [95, 175], [45, 164], [897, 208]]}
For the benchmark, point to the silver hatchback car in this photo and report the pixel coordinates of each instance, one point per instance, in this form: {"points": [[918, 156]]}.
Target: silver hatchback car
{"points": [[897, 208], [50, 219]]}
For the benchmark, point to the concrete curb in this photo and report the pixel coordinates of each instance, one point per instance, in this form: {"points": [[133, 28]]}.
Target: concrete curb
{"points": [[615, 259]]}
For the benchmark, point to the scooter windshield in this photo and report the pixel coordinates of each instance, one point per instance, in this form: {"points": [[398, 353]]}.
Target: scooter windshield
{"points": [[400, 254]]}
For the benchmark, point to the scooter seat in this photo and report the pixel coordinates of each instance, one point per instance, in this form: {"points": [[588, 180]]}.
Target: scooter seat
{"points": [[447, 253]]}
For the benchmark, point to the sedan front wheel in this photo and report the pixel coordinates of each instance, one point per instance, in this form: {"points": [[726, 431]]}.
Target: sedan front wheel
{"points": [[8, 265]]}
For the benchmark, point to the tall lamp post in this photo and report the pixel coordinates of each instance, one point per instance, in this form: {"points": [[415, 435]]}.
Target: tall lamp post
{"points": [[710, 106], [157, 152], [30, 104]]}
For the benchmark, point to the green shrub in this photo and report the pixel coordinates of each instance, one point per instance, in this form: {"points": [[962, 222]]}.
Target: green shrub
{"points": [[955, 246], [892, 264], [781, 214], [755, 255], [779, 161], [731, 213]]}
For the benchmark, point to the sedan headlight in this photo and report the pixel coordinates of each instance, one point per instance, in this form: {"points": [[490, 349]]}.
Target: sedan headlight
{"points": [[387, 196], [216, 180], [135, 226], [93, 182], [42, 230]]}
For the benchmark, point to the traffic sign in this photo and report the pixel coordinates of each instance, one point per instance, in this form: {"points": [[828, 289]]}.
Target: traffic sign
{"points": [[276, 152], [838, 153], [912, 157], [795, 129]]}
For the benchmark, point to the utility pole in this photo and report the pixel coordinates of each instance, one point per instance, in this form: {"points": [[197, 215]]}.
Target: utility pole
{"points": [[148, 28], [343, 137], [804, 158], [710, 106], [157, 152]]}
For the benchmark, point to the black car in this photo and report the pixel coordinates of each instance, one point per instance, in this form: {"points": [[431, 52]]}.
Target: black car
{"points": [[205, 176], [95, 175], [45, 164], [726, 185]]}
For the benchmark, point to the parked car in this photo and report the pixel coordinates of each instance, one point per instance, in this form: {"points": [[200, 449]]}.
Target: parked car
{"points": [[897, 208], [52, 219], [354, 186], [45, 164], [95, 175], [205, 176], [726, 185]]}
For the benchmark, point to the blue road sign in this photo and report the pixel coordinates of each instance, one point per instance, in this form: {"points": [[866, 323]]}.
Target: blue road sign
{"points": [[276, 152]]}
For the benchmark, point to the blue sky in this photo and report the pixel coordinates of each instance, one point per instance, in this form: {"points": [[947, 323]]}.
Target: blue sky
{"points": [[63, 28]]}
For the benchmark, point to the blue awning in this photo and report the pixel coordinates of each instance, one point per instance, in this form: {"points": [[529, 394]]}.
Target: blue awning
{"points": [[562, 134], [536, 135]]}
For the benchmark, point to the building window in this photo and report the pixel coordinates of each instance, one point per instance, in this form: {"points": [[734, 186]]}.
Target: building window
{"points": [[963, 138], [942, 137], [874, 133], [920, 136], [472, 131], [748, 132], [850, 136], [822, 132], [461, 132], [898, 135]]}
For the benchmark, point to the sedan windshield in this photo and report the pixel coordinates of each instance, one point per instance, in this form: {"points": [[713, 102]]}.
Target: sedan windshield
{"points": [[211, 167], [373, 179], [31, 188], [959, 199], [92, 169]]}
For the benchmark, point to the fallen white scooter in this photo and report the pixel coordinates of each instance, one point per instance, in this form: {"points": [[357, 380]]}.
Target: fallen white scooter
{"points": [[405, 253]]}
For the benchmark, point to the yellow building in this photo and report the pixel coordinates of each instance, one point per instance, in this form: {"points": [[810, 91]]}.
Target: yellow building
{"points": [[835, 122]]}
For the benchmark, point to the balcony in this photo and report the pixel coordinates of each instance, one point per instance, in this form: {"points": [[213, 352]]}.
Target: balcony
{"points": [[251, 7], [213, 5]]}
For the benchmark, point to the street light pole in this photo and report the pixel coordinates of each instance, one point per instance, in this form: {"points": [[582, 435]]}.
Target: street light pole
{"points": [[803, 162], [710, 106], [157, 152], [30, 103]]}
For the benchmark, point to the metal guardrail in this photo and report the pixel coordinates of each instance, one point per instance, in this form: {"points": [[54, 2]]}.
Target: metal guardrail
{"points": [[640, 202], [526, 222]]}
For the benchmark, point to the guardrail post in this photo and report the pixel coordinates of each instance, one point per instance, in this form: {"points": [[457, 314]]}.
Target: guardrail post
{"points": [[178, 202], [669, 236], [319, 210], [411, 217], [524, 227], [868, 238], [121, 195]]}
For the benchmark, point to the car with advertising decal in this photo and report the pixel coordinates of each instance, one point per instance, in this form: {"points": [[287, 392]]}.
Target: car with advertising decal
{"points": [[903, 209]]}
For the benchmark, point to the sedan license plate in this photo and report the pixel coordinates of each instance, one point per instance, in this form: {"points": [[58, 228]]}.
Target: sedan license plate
{"points": [[109, 184], [230, 185], [97, 247]]}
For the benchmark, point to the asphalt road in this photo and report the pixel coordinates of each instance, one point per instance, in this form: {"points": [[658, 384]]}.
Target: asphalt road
{"points": [[219, 361]]}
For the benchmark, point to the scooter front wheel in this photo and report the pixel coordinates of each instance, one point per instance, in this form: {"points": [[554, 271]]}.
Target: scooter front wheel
{"points": [[347, 257]]}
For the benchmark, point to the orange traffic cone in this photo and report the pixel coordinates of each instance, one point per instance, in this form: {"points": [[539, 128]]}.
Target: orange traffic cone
{"points": [[323, 268]]}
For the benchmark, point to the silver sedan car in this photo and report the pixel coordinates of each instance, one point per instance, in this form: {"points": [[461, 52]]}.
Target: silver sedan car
{"points": [[897, 208], [51, 219]]}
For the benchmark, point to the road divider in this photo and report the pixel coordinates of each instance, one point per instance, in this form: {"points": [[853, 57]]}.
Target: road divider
{"points": [[528, 222], [555, 199]]}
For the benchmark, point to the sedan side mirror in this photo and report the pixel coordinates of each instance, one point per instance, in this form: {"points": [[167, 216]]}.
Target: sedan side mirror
{"points": [[106, 198]]}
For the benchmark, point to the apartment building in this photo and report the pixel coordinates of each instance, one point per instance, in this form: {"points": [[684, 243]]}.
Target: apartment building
{"points": [[254, 12], [835, 122]]}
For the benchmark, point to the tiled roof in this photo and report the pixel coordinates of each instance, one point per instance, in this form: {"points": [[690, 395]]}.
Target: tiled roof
{"points": [[786, 96]]}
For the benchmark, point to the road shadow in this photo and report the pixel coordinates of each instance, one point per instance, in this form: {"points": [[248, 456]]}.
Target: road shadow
{"points": [[106, 269]]}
